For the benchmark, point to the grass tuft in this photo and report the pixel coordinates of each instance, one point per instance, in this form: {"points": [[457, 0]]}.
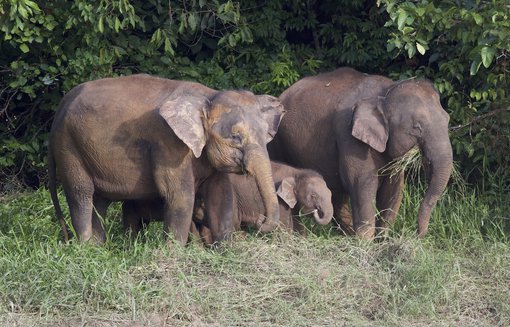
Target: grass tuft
{"points": [[458, 275]]}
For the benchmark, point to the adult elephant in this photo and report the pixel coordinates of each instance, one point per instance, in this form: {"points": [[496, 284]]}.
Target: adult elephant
{"points": [[348, 125], [141, 137]]}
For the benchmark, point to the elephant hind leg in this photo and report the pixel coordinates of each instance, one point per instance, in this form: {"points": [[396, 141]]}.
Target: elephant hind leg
{"points": [[132, 222], [99, 213], [79, 193]]}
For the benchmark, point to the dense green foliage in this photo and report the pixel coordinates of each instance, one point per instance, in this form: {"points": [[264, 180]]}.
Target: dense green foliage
{"points": [[457, 276], [463, 46], [48, 47]]}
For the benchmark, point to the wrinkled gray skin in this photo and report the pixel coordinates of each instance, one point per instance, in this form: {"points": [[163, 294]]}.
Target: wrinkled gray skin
{"points": [[300, 191], [225, 202], [348, 125], [137, 214], [141, 138]]}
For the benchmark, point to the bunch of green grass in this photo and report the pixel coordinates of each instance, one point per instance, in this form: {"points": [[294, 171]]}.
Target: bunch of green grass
{"points": [[458, 275], [411, 164]]}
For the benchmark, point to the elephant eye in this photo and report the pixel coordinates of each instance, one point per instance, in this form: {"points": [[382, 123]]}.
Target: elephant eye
{"points": [[236, 137], [417, 128]]}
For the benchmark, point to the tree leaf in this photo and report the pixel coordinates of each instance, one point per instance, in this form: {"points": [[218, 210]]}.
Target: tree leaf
{"points": [[100, 24], [23, 47], [192, 22], [117, 24], [411, 50], [420, 48], [487, 54], [478, 18], [402, 17], [232, 40], [475, 65]]}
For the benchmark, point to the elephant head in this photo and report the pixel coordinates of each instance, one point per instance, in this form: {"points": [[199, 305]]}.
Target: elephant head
{"points": [[409, 114], [232, 128], [309, 192]]}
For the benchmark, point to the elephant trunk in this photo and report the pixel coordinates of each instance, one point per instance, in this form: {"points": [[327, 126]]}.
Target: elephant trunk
{"points": [[256, 162], [323, 216], [439, 162]]}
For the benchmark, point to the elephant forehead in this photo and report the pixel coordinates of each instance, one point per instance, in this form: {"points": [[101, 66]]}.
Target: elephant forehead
{"points": [[316, 184], [415, 88], [239, 98], [251, 129], [217, 112], [224, 119]]}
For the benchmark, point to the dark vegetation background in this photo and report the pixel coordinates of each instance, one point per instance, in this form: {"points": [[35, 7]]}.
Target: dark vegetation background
{"points": [[457, 276], [48, 47]]}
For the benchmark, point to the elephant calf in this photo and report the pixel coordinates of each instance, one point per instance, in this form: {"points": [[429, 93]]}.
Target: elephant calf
{"points": [[226, 202]]}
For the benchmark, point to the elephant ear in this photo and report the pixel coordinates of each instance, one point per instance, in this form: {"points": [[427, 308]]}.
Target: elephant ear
{"points": [[272, 111], [184, 113], [286, 191], [369, 124]]}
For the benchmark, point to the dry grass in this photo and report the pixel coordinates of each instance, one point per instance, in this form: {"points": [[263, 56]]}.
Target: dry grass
{"points": [[411, 163], [258, 280]]}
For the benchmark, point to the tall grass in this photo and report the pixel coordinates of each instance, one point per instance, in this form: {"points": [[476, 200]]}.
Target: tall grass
{"points": [[458, 275]]}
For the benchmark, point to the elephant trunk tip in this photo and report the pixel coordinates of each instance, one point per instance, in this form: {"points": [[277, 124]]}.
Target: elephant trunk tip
{"points": [[321, 217]]}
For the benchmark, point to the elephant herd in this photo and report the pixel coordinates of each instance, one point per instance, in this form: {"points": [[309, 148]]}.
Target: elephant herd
{"points": [[210, 162]]}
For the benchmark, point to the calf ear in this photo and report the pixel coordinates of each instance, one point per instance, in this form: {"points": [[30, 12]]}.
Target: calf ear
{"points": [[369, 124], [286, 191], [184, 114], [272, 111]]}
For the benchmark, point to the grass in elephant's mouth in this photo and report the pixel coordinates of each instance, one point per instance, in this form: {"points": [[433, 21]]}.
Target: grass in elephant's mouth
{"points": [[409, 162], [458, 275]]}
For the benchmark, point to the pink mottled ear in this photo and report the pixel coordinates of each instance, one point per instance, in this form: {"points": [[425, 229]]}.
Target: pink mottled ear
{"points": [[286, 191], [369, 124], [183, 113], [272, 111]]}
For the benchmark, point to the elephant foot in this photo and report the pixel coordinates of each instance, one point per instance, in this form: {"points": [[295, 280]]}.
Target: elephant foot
{"points": [[366, 232], [266, 224]]}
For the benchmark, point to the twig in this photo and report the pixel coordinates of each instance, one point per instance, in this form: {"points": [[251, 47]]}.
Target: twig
{"points": [[478, 118]]}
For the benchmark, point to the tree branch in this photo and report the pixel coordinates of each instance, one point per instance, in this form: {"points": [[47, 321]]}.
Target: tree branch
{"points": [[478, 118]]}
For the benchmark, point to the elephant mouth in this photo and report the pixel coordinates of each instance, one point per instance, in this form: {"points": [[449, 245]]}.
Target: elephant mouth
{"points": [[319, 215], [316, 213]]}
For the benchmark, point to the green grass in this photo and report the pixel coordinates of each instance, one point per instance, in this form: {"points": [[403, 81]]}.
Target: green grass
{"points": [[459, 275]]}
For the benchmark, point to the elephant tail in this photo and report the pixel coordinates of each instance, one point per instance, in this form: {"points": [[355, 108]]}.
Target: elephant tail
{"points": [[52, 185]]}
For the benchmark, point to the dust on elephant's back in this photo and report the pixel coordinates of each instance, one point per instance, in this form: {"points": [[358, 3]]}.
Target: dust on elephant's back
{"points": [[142, 137], [348, 125]]}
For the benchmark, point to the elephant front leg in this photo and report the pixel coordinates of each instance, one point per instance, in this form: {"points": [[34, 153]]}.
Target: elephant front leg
{"points": [[362, 196], [220, 207], [176, 186], [389, 198], [342, 213], [178, 215]]}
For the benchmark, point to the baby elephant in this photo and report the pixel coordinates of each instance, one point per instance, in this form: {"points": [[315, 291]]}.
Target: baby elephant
{"points": [[299, 191], [225, 202]]}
